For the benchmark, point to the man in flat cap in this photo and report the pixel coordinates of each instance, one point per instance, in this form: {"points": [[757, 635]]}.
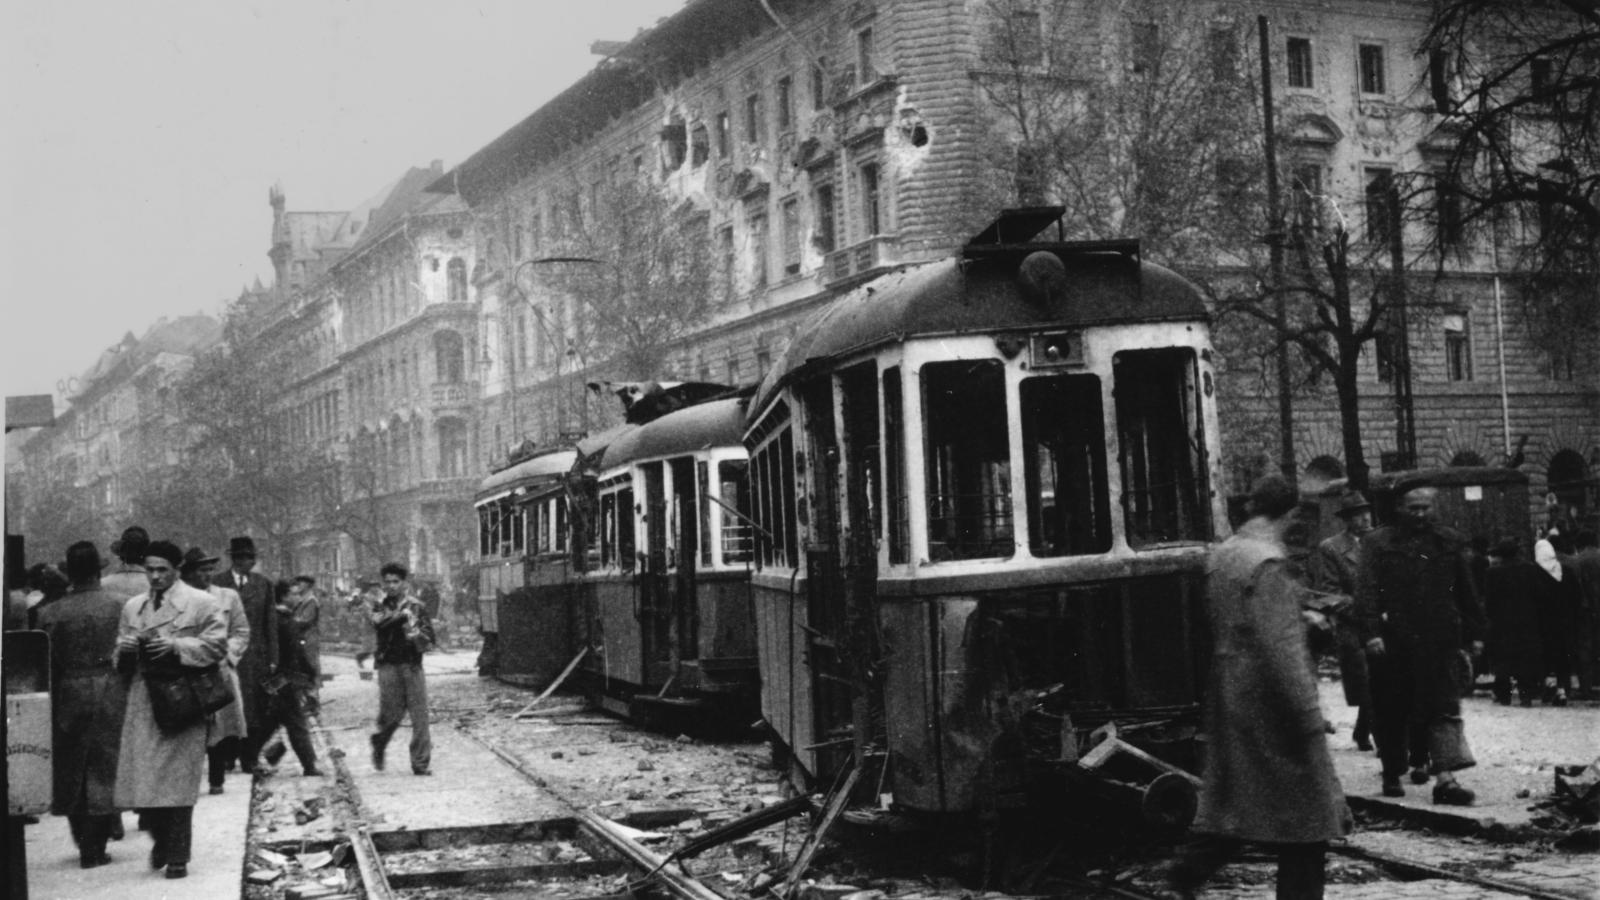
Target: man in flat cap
{"points": [[1333, 571]]}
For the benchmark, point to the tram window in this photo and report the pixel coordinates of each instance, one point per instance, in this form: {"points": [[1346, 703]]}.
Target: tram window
{"points": [[1162, 453], [560, 536], [608, 530], [518, 535], [625, 529], [734, 490], [968, 464], [894, 476], [1064, 464], [483, 532]]}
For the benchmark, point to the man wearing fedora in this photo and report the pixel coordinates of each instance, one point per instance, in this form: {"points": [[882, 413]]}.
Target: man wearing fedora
{"points": [[88, 698], [260, 659], [1333, 567]]}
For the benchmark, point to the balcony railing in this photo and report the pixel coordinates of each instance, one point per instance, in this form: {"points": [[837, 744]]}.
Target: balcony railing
{"points": [[454, 394], [859, 260]]}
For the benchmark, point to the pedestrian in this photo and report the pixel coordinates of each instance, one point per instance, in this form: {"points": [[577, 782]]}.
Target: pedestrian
{"points": [[260, 659], [1333, 570], [290, 688], [306, 610], [1416, 610], [87, 699], [1586, 562], [1267, 774], [227, 725], [1512, 601], [169, 629], [127, 579], [403, 632], [47, 585], [1558, 613]]}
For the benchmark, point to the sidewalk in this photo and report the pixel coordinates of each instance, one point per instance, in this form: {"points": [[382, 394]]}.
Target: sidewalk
{"points": [[215, 869], [1517, 749]]}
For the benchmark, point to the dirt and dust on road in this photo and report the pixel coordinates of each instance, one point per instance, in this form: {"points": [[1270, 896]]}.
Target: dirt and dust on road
{"points": [[668, 787]]}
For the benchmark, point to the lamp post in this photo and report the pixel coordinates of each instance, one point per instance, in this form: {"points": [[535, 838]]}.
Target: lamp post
{"points": [[550, 339]]}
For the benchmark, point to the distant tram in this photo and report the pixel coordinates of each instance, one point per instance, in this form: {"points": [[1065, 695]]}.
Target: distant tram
{"points": [[986, 487]]}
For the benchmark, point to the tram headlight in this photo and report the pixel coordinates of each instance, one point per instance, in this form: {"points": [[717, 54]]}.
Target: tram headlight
{"points": [[1055, 349]]}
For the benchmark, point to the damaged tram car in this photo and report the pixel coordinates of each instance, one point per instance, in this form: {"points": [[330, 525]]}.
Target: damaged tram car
{"points": [[985, 492], [631, 567]]}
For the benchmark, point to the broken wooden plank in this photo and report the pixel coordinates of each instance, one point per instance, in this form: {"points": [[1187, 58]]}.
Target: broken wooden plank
{"points": [[550, 689], [836, 804]]}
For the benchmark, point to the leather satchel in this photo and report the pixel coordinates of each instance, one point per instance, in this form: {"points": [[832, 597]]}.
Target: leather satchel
{"points": [[179, 701]]}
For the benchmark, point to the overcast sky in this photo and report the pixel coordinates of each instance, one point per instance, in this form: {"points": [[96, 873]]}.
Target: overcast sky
{"points": [[141, 138]]}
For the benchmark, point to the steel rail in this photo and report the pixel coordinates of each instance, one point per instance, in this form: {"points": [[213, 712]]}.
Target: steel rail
{"points": [[1417, 868]]}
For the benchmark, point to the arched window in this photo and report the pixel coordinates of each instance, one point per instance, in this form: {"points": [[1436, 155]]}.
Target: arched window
{"points": [[1568, 478], [452, 448], [449, 358], [1465, 458], [456, 272], [1325, 467]]}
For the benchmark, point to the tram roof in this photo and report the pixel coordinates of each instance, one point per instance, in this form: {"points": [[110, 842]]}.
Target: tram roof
{"points": [[548, 466], [1106, 284], [715, 423]]}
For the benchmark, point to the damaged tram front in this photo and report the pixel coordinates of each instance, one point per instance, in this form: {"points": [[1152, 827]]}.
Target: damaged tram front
{"points": [[986, 491]]}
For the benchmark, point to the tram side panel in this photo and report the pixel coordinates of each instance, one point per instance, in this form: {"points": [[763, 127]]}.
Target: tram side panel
{"points": [[537, 637], [786, 676]]}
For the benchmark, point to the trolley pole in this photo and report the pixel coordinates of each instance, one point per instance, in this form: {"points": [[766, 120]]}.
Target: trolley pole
{"points": [[1275, 236], [1405, 436]]}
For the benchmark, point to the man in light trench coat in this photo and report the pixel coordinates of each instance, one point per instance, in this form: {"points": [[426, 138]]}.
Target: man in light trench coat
{"points": [[158, 771]]}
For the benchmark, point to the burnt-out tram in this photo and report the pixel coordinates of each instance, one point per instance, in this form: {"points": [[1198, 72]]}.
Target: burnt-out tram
{"points": [[625, 561], [985, 488]]}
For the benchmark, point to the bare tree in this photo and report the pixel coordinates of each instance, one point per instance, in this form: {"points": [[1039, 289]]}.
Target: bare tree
{"points": [[1518, 84], [643, 276]]}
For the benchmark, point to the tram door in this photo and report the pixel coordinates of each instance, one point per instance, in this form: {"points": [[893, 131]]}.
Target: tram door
{"points": [[827, 652], [655, 588], [686, 552], [859, 528]]}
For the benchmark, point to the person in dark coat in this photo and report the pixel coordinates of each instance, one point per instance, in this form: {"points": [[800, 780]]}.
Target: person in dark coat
{"points": [[87, 700], [291, 687], [260, 659], [1586, 562], [1267, 775], [1512, 601], [1332, 569], [303, 606], [1561, 599], [1415, 610]]}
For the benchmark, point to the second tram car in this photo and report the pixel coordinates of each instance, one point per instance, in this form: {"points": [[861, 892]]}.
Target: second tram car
{"points": [[665, 598], [986, 487]]}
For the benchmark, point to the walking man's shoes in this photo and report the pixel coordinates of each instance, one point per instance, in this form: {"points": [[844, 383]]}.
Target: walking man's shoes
{"points": [[377, 753], [158, 858], [1449, 793], [1392, 788], [1419, 775], [178, 870], [422, 771], [312, 772], [93, 860], [216, 789]]}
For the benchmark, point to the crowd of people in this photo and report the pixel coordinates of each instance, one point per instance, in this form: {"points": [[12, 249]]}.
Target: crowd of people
{"points": [[164, 671], [1411, 612]]}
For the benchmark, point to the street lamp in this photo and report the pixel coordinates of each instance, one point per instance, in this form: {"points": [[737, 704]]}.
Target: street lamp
{"points": [[550, 339]]}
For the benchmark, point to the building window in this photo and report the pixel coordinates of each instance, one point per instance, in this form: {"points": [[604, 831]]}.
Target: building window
{"points": [[824, 236], [758, 249], [449, 359], [1380, 198], [1307, 184], [819, 84], [791, 235], [724, 134], [1439, 80], [1457, 348], [1299, 65], [522, 341], [871, 201], [1448, 220], [1370, 58], [785, 103], [866, 65], [754, 126], [452, 448], [1146, 48], [700, 146], [456, 274], [1224, 53], [725, 254]]}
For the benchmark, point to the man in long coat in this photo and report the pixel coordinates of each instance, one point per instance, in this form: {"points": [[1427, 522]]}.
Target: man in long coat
{"points": [[1333, 570], [1268, 777], [260, 659], [1511, 599], [1416, 609], [227, 726], [158, 771], [88, 698]]}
